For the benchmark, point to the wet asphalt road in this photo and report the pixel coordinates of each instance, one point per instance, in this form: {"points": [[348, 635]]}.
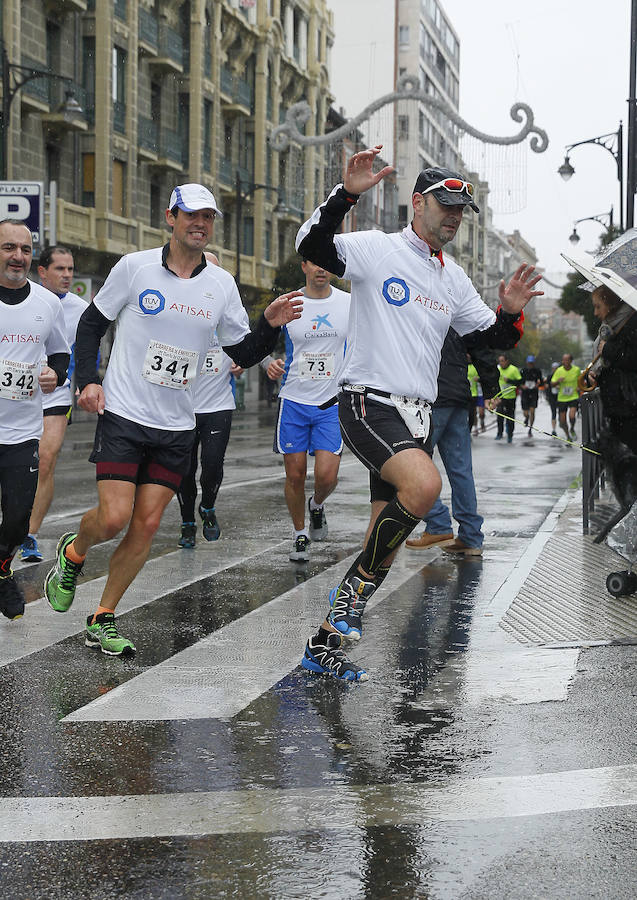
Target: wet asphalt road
{"points": [[211, 766]]}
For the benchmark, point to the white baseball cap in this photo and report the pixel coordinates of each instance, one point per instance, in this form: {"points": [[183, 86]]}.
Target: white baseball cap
{"points": [[192, 197]]}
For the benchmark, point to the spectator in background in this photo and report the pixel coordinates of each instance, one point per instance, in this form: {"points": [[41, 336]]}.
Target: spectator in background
{"points": [[450, 417]]}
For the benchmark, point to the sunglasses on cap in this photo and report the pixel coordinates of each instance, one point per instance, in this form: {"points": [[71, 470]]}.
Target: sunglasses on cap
{"points": [[455, 185]]}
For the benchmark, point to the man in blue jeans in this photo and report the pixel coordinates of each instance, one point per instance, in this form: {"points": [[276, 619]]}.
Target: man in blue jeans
{"points": [[452, 435]]}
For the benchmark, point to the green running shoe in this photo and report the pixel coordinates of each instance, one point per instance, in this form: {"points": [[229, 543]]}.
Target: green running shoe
{"points": [[103, 634], [59, 584]]}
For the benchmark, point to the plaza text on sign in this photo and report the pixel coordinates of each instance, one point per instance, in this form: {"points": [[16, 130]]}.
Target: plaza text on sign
{"points": [[24, 200]]}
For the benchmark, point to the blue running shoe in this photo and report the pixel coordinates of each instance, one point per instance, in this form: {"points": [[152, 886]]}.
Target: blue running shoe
{"points": [[29, 551], [329, 659], [347, 605], [210, 526]]}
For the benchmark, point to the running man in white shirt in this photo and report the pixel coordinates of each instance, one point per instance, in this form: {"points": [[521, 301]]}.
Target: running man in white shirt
{"points": [[31, 327], [405, 296], [55, 270], [167, 304], [314, 356]]}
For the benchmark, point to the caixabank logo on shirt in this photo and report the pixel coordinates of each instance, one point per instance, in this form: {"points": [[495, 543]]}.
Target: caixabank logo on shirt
{"points": [[151, 302], [396, 292]]}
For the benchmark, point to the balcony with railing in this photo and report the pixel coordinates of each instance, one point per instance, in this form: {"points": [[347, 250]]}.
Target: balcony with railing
{"points": [[147, 32], [173, 150], [237, 94], [170, 50], [147, 137], [226, 172]]}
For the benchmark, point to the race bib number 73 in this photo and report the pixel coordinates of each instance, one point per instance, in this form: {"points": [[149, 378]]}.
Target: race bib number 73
{"points": [[168, 366]]}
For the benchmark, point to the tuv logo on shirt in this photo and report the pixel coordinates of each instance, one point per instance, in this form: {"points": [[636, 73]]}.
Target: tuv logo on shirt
{"points": [[151, 302], [396, 292]]}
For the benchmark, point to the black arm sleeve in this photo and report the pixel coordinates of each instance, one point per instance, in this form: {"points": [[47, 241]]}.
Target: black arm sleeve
{"points": [[255, 345], [90, 330], [315, 240], [59, 362], [505, 332]]}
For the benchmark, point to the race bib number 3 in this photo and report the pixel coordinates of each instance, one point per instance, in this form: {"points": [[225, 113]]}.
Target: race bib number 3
{"points": [[18, 380], [415, 413], [171, 367], [315, 366]]}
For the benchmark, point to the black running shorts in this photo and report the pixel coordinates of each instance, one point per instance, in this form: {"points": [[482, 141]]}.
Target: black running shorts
{"points": [[126, 451], [529, 399], [375, 432]]}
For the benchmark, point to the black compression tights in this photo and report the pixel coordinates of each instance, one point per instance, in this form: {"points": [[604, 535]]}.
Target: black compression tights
{"points": [[213, 431], [392, 527]]}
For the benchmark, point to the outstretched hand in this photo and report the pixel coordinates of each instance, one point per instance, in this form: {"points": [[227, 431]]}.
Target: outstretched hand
{"points": [[359, 174], [284, 309], [516, 294]]}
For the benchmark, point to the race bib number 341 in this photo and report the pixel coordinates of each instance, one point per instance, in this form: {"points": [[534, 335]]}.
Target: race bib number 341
{"points": [[18, 380], [168, 366]]}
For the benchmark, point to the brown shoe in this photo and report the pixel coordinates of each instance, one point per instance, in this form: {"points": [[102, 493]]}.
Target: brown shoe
{"points": [[459, 547], [429, 540]]}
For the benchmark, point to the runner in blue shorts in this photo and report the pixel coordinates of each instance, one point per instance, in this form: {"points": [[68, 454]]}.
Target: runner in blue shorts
{"points": [[314, 355]]}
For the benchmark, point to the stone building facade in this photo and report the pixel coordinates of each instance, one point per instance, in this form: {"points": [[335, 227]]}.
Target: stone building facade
{"points": [[170, 91]]}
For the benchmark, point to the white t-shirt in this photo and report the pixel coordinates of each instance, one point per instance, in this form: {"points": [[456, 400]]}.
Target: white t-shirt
{"points": [[165, 326], [315, 349], [72, 308], [403, 303], [213, 388], [29, 331]]}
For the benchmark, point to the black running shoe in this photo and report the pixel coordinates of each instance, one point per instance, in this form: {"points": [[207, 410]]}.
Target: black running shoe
{"points": [[210, 527], [329, 659], [188, 535], [318, 523], [347, 605], [300, 550], [11, 599]]}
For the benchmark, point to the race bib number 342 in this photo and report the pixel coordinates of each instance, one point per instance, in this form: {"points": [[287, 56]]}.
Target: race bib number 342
{"points": [[18, 380], [168, 366]]}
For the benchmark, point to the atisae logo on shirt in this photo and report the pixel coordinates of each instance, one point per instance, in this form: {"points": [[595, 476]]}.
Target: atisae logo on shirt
{"points": [[151, 302], [396, 292]]}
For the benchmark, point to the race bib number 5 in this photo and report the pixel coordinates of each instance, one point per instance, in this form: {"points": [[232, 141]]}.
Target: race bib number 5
{"points": [[168, 366], [416, 414], [18, 380], [212, 362], [314, 366]]}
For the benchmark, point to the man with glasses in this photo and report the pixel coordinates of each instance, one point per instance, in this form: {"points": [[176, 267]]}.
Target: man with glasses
{"points": [[405, 296], [167, 304]]}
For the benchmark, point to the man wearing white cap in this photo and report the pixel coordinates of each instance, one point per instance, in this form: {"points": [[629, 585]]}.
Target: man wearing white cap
{"points": [[167, 304]]}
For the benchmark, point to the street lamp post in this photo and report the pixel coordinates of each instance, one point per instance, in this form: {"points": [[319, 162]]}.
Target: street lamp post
{"points": [[240, 196], [14, 77], [605, 219], [614, 143]]}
